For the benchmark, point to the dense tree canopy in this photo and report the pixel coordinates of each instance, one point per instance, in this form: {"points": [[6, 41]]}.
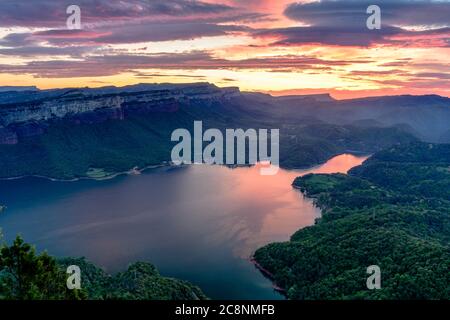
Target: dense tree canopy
{"points": [[393, 211], [25, 275]]}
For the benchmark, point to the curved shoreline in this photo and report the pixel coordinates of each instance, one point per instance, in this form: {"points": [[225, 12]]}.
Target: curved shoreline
{"points": [[134, 171], [168, 167], [266, 273], [137, 170]]}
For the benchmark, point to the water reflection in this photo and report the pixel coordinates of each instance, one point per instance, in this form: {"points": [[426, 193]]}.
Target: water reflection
{"points": [[199, 223]]}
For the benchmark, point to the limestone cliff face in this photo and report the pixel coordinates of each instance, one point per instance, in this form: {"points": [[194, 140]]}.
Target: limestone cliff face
{"points": [[56, 109], [24, 115]]}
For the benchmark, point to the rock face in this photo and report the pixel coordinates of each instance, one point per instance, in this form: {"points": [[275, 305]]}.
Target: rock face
{"points": [[24, 114]]}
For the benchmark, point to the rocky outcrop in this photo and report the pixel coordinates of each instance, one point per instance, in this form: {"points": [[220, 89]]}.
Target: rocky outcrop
{"points": [[58, 108], [28, 114]]}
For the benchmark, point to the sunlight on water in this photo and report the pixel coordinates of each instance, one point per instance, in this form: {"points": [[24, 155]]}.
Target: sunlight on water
{"points": [[194, 223]]}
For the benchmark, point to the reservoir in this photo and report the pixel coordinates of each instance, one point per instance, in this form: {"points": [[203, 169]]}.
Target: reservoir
{"points": [[198, 223]]}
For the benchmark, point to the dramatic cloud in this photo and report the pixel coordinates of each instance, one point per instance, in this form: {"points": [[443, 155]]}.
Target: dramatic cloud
{"points": [[343, 22], [51, 13], [135, 33], [353, 12], [356, 36], [104, 65], [256, 44], [339, 35], [36, 51], [109, 22], [433, 75], [17, 40], [100, 65]]}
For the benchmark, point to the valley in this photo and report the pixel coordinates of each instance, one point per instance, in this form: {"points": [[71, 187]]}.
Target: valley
{"points": [[191, 222], [94, 133], [106, 157]]}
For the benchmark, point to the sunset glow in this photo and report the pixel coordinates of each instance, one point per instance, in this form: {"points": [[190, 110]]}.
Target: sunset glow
{"points": [[279, 47]]}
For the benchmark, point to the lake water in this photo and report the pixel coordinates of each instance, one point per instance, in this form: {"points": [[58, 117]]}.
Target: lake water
{"points": [[198, 223]]}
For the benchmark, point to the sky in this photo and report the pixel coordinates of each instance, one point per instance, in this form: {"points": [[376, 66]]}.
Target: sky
{"points": [[274, 46]]}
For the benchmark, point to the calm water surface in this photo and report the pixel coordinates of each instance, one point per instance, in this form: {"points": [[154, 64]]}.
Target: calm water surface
{"points": [[198, 223]]}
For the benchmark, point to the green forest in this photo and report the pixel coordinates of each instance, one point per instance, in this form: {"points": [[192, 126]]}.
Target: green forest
{"points": [[393, 211], [68, 151], [27, 275]]}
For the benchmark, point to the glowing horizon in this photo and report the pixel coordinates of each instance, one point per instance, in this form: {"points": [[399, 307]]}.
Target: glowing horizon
{"points": [[277, 47]]}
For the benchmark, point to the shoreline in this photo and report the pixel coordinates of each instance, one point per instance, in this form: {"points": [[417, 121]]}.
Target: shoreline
{"points": [[131, 172], [318, 164], [137, 171], [266, 273]]}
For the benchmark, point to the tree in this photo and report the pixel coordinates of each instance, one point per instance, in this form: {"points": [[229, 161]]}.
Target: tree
{"points": [[27, 276]]}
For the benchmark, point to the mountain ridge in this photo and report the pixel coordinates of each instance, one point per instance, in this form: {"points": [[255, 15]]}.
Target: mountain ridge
{"points": [[67, 133]]}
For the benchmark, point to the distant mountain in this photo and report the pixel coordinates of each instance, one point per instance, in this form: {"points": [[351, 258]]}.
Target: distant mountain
{"points": [[305, 98], [18, 89], [428, 116], [64, 133]]}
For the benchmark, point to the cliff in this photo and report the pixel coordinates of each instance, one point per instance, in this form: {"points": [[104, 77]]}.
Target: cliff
{"points": [[24, 114]]}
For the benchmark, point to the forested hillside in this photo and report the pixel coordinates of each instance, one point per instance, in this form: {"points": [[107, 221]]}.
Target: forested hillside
{"points": [[72, 133], [26, 275], [393, 211]]}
